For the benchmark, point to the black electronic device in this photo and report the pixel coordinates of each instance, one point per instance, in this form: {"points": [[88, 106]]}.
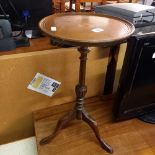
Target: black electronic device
{"points": [[25, 14], [6, 40], [136, 90]]}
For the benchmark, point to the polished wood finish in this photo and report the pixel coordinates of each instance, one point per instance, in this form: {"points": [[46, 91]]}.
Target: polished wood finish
{"points": [[132, 137], [80, 29], [58, 6], [79, 111], [91, 8], [78, 4]]}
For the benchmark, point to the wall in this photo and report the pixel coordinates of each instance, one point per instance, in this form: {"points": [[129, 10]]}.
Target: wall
{"points": [[17, 70]]}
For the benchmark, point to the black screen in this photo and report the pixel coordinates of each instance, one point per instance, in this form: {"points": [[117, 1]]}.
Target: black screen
{"points": [[1, 33], [136, 92]]}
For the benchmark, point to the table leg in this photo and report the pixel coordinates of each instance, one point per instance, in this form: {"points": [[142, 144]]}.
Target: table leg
{"points": [[94, 127], [62, 122], [81, 90], [79, 112]]}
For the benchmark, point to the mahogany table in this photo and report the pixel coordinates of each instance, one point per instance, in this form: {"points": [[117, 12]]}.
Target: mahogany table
{"points": [[84, 30]]}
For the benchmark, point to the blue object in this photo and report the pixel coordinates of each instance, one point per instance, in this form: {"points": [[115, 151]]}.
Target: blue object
{"points": [[25, 13]]}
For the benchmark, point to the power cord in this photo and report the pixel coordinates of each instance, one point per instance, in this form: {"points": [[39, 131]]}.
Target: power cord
{"points": [[147, 21], [152, 14]]}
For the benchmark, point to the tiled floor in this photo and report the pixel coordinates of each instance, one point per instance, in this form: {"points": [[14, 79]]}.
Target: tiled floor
{"points": [[21, 147]]}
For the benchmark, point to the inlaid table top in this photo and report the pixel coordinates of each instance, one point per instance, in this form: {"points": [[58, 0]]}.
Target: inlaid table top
{"points": [[86, 28]]}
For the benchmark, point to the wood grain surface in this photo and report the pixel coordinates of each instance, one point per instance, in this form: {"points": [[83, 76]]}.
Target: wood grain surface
{"points": [[86, 29], [38, 44], [132, 137]]}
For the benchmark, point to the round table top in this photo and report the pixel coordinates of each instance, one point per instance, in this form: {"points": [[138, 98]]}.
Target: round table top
{"points": [[86, 28]]}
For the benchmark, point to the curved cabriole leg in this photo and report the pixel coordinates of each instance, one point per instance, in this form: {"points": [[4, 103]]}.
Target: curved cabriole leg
{"points": [[94, 126], [60, 124], [79, 112]]}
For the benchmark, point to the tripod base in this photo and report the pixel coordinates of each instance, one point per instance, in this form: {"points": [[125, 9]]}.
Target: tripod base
{"points": [[86, 118]]}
